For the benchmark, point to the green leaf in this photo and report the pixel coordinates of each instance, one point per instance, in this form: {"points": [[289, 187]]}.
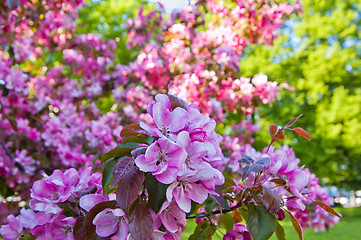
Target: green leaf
{"points": [[156, 192], [202, 231], [226, 219], [280, 232], [296, 225], [202, 225], [210, 205], [108, 172], [147, 140], [229, 182], [119, 151], [260, 223], [243, 213], [201, 234]]}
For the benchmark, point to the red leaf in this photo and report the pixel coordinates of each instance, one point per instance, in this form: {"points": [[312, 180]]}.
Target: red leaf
{"points": [[220, 198], [271, 200], [296, 225], [293, 121], [328, 209], [279, 181], [133, 130], [273, 130], [128, 188], [79, 230], [302, 132], [122, 169], [88, 221], [237, 217], [177, 102], [141, 223]]}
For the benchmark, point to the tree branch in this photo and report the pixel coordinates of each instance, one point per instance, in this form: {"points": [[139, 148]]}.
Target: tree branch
{"points": [[239, 204], [8, 153]]}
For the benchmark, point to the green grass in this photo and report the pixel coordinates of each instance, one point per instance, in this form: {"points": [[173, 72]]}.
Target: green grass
{"points": [[350, 229]]}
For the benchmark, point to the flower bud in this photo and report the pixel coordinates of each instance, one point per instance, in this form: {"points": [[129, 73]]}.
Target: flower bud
{"points": [[281, 215]]}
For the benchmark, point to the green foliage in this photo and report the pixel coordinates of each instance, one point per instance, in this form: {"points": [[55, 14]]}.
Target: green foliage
{"points": [[226, 219], [156, 192], [108, 18], [107, 176], [260, 223], [347, 230], [280, 232], [321, 59], [120, 150]]}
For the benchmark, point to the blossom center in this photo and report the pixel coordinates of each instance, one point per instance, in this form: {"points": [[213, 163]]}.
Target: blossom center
{"points": [[188, 159], [165, 130], [162, 157], [183, 184], [55, 196]]}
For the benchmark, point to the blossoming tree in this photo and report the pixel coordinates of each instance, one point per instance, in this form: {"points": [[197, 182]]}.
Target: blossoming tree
{"points": [[105, 156]]}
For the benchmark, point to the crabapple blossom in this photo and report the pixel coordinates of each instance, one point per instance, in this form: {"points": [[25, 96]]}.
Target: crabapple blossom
{"points": [[168, 122], [171, 216], [163, 159], [240, 232], [59, 227], [64, 98], [14, 228], [55, 189], [185, 190], [110, 221]]}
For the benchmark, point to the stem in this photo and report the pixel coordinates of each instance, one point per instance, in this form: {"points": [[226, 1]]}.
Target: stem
{"points": [[274, 136], [239, 204], [8, 153]]}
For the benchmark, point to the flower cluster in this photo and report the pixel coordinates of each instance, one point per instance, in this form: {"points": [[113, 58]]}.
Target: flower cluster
{"points": [[47, 109], [200, 65], [240, 232], [316, 218], [185, 155], [296, 185], [51, 198], [64, 97]]}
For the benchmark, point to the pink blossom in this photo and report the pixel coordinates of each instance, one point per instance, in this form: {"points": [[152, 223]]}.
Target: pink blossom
{"points": [[55, 189], [297, 181], [110, 221], [59, 227], [185, 190], [90, 200], [163, 159], [13, 230], [168, 122], [172, 216], [240, 232]]}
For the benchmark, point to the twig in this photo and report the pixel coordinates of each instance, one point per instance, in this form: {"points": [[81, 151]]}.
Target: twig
{"points": [[8, 153], [239, 204]]}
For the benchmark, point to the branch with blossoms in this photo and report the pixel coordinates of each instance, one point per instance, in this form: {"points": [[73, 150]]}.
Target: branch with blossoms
{"points": [[53, 83], [165, 173]]}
